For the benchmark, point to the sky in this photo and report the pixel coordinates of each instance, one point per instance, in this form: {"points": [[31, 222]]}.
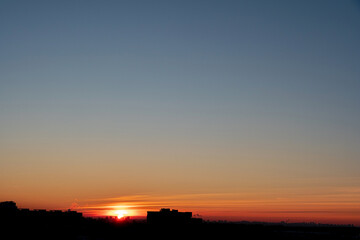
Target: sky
{"points": [[235, 110]]}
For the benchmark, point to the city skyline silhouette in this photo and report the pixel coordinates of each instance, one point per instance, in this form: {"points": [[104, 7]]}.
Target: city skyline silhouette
{"points": [[42, 224]]}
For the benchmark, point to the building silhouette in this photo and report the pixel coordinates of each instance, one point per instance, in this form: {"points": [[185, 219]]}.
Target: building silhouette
{"points": [[8, 208], [173, 217], [9, 212]]}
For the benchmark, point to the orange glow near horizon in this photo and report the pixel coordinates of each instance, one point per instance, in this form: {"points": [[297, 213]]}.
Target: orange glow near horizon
{"points": [[235, 207]]}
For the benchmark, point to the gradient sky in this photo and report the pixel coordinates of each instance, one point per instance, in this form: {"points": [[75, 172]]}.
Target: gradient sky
{"points": [[240, 110]]}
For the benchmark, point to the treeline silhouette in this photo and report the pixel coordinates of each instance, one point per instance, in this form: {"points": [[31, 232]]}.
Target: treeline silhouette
{"points": [[18, 223]]}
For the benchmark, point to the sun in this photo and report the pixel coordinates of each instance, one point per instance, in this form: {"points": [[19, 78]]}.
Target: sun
{"points": [[120, 213]]}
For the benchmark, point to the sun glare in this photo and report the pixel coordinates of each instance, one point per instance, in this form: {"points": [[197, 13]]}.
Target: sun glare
{"points": [[120, 213]]}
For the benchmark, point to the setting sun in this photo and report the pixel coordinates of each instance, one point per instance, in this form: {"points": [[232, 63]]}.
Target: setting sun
{"points": [[120, 213]]}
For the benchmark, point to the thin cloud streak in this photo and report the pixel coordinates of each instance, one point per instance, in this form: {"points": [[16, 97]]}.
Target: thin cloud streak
{"points": [[341, 204]]}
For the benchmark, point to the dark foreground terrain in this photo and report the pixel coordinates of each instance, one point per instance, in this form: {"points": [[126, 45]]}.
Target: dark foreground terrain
{"points": [[41, 224], [97, 229]]}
